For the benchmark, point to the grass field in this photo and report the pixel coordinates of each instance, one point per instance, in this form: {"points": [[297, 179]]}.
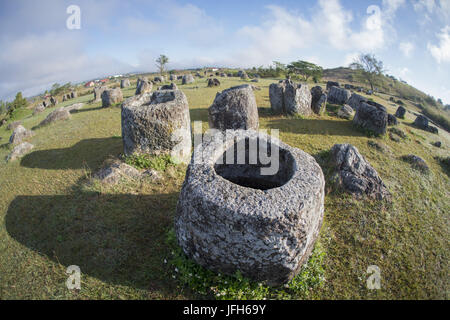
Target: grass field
{"points": [[51, 218]]}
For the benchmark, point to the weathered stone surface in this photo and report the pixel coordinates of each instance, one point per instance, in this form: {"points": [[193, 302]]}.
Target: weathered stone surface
{"points": [[19, 134], [58, 114], [437, 144], [234, 108], [290, 97], [379, 146], [74, 107], [53, 101], [338, 95], [73, 94], [433, 129], [116, 171], [346, 112], [244, 76], [173, 77], [392, 120], [276, 95], [297, 99], [394, 137], [111, 97], [416, 162], [240, 73], [19, 151], [143, 86], [223, 75], [98, 93], [171, 86], [188, 78], [355, 101], [39, 108], [400, 113], [213, 82], [355, 175], [234, 217], [318, 100], [159, 79], [125, 83], [422, 122], [332, 84], [157, 123], [371, 116], [13, 125]]}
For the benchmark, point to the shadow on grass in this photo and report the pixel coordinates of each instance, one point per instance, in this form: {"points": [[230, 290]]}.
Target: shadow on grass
{"points": [[89, 152], [315, 127], [87, 109], [199, 114], [119, 239], [413, 126]]}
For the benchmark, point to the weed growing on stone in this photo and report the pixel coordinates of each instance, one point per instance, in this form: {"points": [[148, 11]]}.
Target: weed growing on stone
{"points": [[159, 163]]}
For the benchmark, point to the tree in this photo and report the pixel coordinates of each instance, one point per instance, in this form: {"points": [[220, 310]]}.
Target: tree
{"points": [[368, 68], [2, 107], [18, 103], [161, 63], [305, 69], [279, 67]]}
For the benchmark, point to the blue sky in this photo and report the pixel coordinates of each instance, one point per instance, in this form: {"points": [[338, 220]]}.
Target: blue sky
{"points": [[412, 38]]}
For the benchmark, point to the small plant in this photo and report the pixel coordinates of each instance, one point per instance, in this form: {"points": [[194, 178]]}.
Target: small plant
{"points": [[145, 161], [398, 132], [225, 287]]}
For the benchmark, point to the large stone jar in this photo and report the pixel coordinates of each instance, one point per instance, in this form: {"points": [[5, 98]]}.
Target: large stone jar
{"points": [[247, 217], [157, 123]]}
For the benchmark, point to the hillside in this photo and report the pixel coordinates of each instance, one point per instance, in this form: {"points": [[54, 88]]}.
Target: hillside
{"points": [[51, 217], [415, 99]]}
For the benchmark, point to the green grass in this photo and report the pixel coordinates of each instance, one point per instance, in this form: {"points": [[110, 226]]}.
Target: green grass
{"points": [[160, 163], [50, 218]]}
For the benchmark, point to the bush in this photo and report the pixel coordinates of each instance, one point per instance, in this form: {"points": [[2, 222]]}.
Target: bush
{"points": [[438, 117]]}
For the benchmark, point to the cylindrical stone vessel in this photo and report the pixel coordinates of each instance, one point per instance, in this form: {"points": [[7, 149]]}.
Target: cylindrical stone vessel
{"points": [[240, 211], [157, 123], [234, 108]]}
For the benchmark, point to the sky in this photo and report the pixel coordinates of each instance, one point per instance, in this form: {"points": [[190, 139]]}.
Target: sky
{"points": [[411, 37]]}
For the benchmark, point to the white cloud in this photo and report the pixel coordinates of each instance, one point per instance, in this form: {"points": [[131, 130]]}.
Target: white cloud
{"points": [[140, 26], [284, 32], [424, 5], [406, 48], [33, 63], [432, 9], [193, 22], [391, 7], [350, 58], [441, 52]]}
